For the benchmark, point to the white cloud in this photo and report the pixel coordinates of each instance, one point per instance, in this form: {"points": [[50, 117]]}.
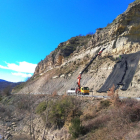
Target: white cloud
{"points": [[21, 67], [22, 74]]}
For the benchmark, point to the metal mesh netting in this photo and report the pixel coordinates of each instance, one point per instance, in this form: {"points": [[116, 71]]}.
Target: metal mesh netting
{"points": [[122, 73]]}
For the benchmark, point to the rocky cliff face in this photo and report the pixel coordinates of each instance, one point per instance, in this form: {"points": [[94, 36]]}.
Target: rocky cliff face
{"points": [[59, 70], [60, 55], [119, 37]]}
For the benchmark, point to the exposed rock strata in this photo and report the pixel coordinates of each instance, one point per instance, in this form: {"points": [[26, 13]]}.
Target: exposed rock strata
{"points": [[119, 37]]}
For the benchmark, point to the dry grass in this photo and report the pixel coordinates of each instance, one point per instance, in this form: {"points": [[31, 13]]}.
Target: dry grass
{"points": [[97, 122], [64, 96], [112, 119], [113, 96], [54, 93], [88, 114], [20, 137]]}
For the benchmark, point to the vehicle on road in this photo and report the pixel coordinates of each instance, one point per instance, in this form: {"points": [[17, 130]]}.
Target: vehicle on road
{"points": [[83, 90]]}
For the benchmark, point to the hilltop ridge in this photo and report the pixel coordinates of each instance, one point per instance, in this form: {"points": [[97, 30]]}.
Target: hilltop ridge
{"points": [[122, 29]]}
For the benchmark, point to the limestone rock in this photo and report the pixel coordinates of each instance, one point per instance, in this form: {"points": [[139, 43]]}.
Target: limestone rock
{"points": [[119, 37]]}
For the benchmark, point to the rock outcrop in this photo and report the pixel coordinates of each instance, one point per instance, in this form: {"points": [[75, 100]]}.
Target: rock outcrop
{"points": [[60, 55], [119, 37]]}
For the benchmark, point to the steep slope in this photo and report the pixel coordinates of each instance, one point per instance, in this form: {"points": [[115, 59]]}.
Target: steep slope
{"points": [[59, 70]]}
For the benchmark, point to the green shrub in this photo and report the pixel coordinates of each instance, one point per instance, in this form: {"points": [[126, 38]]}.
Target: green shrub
{"points": [[104, 103], [60, 110], [137, 1], [41, 107], [76, 128]]}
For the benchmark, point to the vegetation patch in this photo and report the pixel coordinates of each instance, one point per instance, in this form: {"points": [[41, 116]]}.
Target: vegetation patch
{"points": [[41, 107], [76, 129], [62, 110], [104, 104], [111, 119], [137, 1], [71, 45], [18, 87]]}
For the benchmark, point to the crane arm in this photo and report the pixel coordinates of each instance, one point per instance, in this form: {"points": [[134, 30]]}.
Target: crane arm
{"points": [[91, 61], [79, 77]]}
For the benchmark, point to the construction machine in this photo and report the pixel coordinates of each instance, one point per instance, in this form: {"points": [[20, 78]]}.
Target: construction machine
{"points": [[83, 90]]}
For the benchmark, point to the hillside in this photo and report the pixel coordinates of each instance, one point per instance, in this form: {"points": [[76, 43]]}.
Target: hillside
{"points": [[37, 112], [58, 72], [45, 117]]}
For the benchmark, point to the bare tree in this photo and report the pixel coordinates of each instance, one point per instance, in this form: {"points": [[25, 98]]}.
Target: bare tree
{"points": [[47, 114]]}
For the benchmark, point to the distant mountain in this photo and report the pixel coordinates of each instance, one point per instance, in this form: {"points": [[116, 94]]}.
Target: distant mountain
{"points": [[1, 80], [4, 84]]}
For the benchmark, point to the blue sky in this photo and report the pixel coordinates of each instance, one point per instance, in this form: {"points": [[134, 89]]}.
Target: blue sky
{"points": [[31, 29]]}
